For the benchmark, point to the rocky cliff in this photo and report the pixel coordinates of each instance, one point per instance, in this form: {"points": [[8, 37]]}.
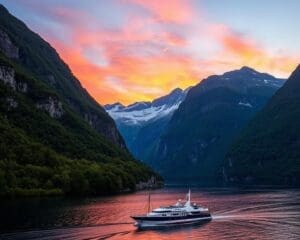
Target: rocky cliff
{"points": [[37, 57], [54, 138]]}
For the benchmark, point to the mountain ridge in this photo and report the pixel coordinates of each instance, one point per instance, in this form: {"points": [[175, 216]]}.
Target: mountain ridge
{"points": [[50, 142], [267, 150], [213, 112], [54, 73], [141, 123]]}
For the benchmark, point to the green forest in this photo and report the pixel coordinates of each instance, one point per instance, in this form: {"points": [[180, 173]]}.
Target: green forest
{"points": [[65, 154], [267, 150]]}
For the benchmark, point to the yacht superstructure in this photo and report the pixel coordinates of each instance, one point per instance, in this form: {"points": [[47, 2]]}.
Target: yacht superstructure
{"points": [[179, 213]]}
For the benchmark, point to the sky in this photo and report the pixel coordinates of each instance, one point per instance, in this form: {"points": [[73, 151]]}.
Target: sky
{"points": [[137, 50]]}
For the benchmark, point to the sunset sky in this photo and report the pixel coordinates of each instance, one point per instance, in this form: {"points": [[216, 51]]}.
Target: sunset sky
{"points": [[136, 50]]}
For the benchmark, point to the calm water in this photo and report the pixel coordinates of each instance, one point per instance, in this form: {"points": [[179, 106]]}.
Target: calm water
{"points": [[263, 214]]}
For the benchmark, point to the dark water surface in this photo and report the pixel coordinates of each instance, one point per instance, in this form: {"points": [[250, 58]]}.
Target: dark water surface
{"points": [[255, 214]]}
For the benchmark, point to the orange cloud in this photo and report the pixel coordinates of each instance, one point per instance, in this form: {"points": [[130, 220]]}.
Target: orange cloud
{"points": [[128, 76], [239, 50], [146, 58]]}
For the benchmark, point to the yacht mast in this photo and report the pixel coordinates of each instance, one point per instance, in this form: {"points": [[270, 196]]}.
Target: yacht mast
{"points": [[149, 198], [188, 202]]}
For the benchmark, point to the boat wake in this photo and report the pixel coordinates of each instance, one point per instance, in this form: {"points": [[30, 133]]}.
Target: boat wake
{"points": [[267, 215]]}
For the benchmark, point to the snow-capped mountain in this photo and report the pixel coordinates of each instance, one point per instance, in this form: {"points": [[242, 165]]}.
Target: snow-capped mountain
{"points": [[140, 113], [186, 121], [141, 123]]}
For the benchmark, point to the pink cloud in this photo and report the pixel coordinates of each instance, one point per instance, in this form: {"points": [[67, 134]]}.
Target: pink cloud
{"points": [[168, 11], [151, 53]]}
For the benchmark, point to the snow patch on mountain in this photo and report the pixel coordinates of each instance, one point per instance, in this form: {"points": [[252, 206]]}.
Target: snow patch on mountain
{"points": [[245, 104], [144, 115], [140, 113]]}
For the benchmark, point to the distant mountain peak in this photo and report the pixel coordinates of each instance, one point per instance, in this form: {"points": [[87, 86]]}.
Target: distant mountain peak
{"points": [[245, 71], [116, 105], [142, 112], [176, 90], [241, 80], [137, 106], [253, 72], [246, 68], [139, 103]]}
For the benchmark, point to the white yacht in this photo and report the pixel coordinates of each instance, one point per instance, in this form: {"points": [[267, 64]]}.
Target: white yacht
{"points": [[178, 214]]}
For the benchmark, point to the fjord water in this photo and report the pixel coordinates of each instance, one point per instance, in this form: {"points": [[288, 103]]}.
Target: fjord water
{"points": [[237, 214]]}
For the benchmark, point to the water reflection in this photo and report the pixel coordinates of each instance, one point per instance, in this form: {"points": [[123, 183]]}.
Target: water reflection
{"points": [[236, 214]]}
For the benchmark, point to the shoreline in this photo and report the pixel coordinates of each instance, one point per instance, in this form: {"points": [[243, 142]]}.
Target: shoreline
{"points": [[52, 193]]}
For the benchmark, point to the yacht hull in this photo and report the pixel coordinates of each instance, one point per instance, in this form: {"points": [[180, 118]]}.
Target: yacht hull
{"points": [[143, 222]]}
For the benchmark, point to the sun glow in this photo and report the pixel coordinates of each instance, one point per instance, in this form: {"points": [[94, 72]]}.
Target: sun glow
{"points": [[150, 48]]}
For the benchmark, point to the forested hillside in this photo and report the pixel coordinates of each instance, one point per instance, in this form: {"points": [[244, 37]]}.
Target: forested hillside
{"points": [[54, 138], [268, 149]]}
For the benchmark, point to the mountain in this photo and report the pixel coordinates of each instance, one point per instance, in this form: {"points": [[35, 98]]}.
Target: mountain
{"points": [[40, 59], [54, 138], [268, 149], [196, 138], [141, 123]]}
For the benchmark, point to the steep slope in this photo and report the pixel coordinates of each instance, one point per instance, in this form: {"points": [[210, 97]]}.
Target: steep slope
{"points": [[268, 149], [39, 59], [46, 143], [200, 131], [142, 123]]}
